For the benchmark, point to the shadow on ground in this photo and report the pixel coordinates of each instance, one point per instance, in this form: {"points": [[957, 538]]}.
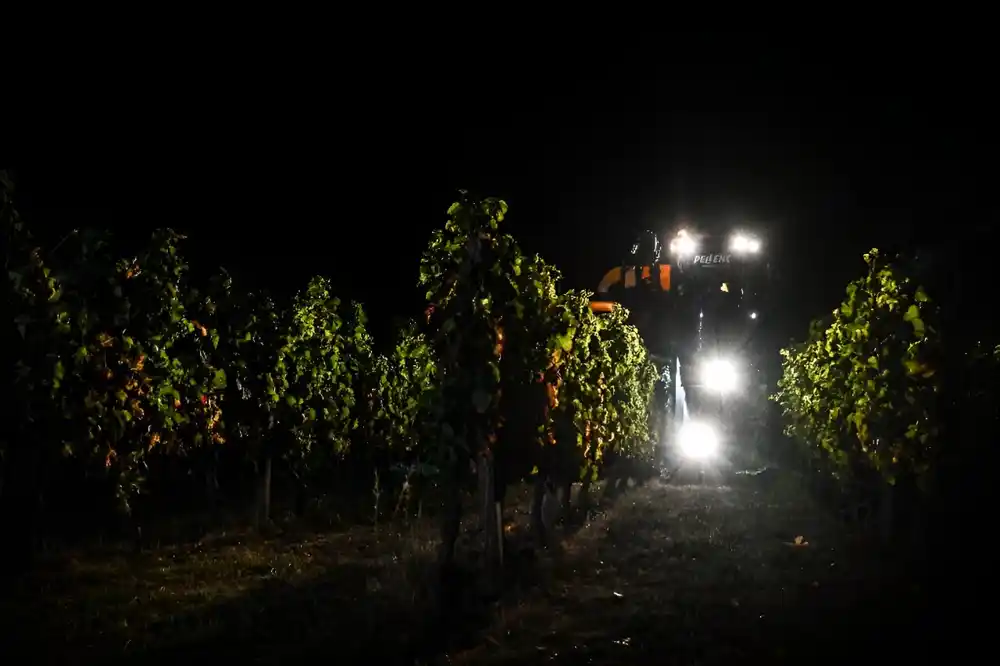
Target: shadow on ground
{"points": [[707, 574], [698, 573], [354, 595]]}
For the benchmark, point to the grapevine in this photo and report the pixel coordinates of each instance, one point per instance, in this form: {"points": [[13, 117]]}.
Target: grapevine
{"points": [[862, 387], [314, 381], [125, 368]]}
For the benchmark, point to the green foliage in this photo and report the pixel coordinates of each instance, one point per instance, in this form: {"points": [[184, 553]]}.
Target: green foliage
{"points": [[402, 393], [579, 415], [468, 271], [632, 384], [635, 435], [141, 365], [40, 325], [111, 367], [315, 376], [536, 344], [862, 388], [247, 341], [605, 396], [522, 363], [122, 362]]}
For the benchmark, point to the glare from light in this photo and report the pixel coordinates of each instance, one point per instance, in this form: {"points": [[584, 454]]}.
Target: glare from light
{"points": [[698, 440], [719, 376], [753, 315], [683, 244], [743, 244]]}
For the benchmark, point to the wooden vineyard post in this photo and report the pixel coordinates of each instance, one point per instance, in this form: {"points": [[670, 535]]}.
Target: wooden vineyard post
{"points": [[492, 523]]}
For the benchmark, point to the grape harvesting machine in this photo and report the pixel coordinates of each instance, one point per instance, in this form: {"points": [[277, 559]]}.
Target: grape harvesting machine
{"points": [[697, 313]]}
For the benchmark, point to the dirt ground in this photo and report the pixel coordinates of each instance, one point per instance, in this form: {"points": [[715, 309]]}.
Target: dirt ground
{"points": [[666, 573], [708, 574]]}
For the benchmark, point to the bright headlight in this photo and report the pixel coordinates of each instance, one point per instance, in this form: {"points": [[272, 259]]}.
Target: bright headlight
{"points": [[719, 375], [683, 244], [743, 244], [698, 440]]}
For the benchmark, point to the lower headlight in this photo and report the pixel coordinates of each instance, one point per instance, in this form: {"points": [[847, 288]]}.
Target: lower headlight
{"points": [[698, 440]]}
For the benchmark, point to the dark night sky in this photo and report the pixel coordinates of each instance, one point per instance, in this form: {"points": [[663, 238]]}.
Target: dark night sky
{"points": [[289, 170]]}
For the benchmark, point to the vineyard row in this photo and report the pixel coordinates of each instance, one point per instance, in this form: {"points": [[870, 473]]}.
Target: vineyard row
{"points": [[124, 368], [872, 392]]}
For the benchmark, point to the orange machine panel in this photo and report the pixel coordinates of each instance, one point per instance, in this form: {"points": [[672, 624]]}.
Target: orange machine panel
{"points": [[665, 277], [602, 306], [611, 278], [616, 276]]}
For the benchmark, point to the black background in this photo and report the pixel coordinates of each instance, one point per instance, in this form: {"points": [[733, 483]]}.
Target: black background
{"points": [[284, 163]]}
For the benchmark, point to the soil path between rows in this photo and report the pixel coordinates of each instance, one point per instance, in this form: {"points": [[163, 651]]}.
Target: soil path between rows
{"points": [[748, 569], [705, 574]]}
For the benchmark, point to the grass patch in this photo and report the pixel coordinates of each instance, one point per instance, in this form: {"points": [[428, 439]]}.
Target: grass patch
{"points": [[226, 589], [702, 573]]}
